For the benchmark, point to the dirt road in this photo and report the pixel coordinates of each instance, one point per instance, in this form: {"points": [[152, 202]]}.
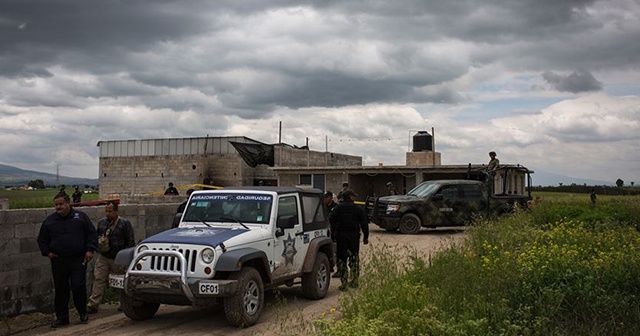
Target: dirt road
{"points": [[281, 311]]}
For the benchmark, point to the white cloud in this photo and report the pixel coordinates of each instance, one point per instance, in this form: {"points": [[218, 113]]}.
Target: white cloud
{"points": [[358, 78]]}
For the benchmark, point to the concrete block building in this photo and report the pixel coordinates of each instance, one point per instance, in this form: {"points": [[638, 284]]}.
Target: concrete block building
{"points": [[143, 167], [132, 168]]}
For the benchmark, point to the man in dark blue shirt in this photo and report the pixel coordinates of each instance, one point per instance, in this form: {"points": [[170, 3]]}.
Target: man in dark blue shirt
{"points": [[347, 220], [68, 238]]}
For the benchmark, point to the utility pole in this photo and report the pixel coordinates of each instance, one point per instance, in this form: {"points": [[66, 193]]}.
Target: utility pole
{"points": [[57, 174]]}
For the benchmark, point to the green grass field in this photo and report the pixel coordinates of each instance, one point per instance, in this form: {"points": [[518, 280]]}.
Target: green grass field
{"points": [[564, 267], [41, 198]]}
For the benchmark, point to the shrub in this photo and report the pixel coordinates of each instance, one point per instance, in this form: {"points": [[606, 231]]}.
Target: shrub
{"points": [[560, 269]]}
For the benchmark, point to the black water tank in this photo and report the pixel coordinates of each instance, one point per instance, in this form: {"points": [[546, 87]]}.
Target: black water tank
{"points": [[422, 142]]}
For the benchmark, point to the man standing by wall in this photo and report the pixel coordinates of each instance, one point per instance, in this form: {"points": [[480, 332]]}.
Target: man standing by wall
{"points": [[114, 234], [349, 219], [180, 210], [68, 238], [171, 190], [391, 189]]}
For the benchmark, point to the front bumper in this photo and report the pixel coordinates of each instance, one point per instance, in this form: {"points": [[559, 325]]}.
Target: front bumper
{"points": [[169, 282], [387, 223]]}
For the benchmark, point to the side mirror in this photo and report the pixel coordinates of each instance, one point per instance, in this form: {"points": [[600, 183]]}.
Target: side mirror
{"points": [[437, 197], [286, 222]]}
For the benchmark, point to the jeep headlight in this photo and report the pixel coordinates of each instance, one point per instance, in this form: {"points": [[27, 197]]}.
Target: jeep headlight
{"points": [[141, 249], [207, 255], [393, 208]]}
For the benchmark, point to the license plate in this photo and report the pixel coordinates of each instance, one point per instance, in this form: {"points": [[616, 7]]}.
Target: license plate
{"points": [[208, 288], [116, 281]]}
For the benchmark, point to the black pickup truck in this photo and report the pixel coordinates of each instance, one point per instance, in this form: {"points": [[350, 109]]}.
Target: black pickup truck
{"points": [[440, 203]]}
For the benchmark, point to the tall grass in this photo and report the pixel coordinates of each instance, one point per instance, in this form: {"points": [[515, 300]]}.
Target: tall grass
{"points": [[40, 198], [560, 269]]}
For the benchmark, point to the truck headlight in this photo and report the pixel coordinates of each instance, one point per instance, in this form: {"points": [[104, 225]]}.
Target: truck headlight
{"points": [[393, 208], [207, 255], [141, 249]]}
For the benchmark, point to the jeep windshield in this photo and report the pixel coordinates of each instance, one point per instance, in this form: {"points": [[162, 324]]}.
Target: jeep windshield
{"points": [[424, 190], [229, 207]]}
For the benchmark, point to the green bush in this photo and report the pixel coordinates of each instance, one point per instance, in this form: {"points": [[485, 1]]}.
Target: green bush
{"points": [[559, 269]]}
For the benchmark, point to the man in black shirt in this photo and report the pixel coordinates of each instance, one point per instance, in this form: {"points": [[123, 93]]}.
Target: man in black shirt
{"points": [[119, 234], [347, 220], [77, 195], [180, 210], [171, 190], [68, 238]]}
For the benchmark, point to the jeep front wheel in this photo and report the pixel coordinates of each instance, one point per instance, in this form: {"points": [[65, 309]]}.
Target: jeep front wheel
{"points": [[135, 309], [243, 308], [315, 284], [410, 223]]}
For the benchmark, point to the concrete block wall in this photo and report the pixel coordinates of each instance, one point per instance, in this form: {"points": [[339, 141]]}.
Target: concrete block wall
{"points": [[135, 175], [424, 158], [26, 284], [226, 170]]}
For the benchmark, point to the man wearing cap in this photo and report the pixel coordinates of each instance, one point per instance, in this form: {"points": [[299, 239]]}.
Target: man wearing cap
{"points": [[347, 220], [328, 201], [391, 189], [77, 195]]}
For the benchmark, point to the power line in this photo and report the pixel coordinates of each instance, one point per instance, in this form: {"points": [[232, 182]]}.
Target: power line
{"points": [[365, 140]]}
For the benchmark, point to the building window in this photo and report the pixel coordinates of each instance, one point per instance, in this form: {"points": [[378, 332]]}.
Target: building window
{"points": [[315, 180]]}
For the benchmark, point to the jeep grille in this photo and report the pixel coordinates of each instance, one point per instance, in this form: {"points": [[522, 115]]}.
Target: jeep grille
{"points": [[165, 263]]}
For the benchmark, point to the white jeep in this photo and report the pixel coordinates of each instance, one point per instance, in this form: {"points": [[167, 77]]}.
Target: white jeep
{"points": [[231, 245]]}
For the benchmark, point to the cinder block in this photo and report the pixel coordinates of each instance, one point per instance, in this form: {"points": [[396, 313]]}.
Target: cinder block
{"points": [[17, 261], [31, 274], [37, 215], [9, 247], [27, 230], [15, 217], [10, 278], [26, 245]]}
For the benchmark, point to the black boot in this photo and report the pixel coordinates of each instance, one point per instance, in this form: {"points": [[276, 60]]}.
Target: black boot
{"points": [[59, 323]]}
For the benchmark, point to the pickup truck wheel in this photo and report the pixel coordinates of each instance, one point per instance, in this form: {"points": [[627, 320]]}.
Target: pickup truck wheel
{"points": [[243, 308], [315, 284], [135, 309], [410, 223]]}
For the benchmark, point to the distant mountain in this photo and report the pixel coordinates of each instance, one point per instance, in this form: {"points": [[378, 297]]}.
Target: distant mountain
{"points": [[543, 178], [13, 176]]}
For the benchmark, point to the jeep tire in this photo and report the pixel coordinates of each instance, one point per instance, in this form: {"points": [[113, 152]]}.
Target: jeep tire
{"points": [[243, 308], [315, 284], [410, 223], [135, 309]]}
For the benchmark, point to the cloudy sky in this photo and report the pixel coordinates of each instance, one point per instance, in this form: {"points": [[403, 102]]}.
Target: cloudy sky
{"points": [[553, 85]]}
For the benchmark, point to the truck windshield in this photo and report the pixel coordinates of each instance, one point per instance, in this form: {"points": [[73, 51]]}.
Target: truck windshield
{"points": [[218, 207], [425, 189]]}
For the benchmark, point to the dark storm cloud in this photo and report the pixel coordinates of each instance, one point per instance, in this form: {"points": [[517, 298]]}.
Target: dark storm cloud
{"points": [[122, 69], [91, 28], [578, 81], [157, 44]]}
